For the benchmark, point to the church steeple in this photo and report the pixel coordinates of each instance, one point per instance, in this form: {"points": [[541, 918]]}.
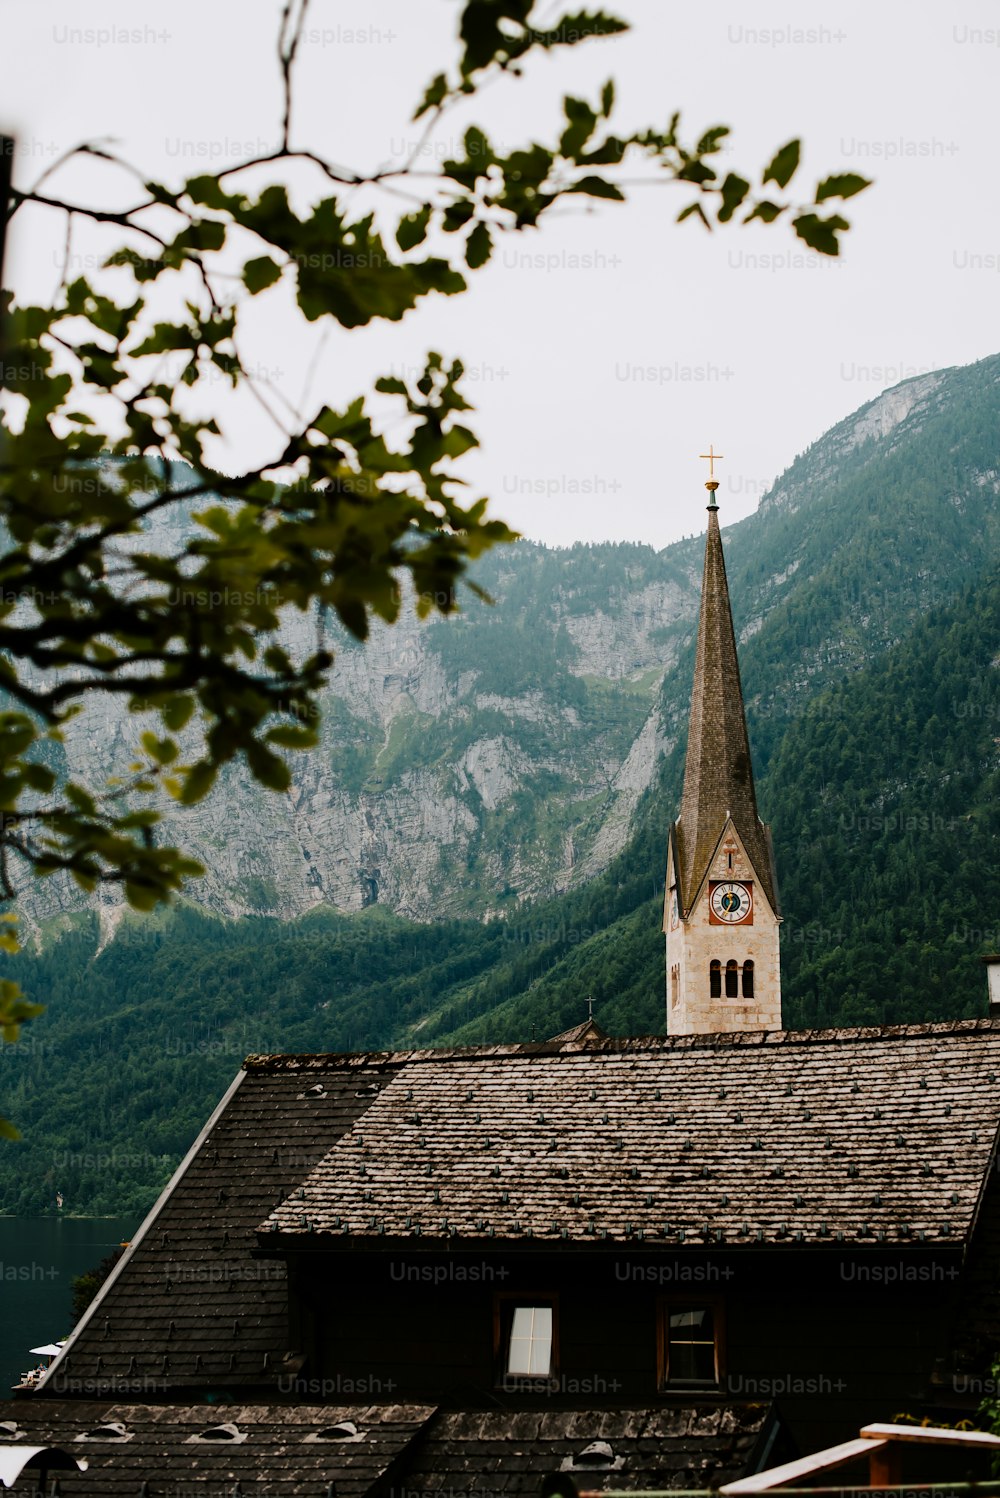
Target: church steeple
{"points": [[722, 910], [718, 774]]}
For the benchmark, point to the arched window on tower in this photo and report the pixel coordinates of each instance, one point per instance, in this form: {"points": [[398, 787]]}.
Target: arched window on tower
{"points": [[715, 979], [732, 979], [748, 980]]}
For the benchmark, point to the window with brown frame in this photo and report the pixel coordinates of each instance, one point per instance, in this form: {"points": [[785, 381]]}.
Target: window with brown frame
{"points": [[690, 1343], [525, 1337]]}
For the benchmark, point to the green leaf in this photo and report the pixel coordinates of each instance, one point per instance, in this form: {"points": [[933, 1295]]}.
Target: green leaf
{"points": [[81, 800], [479, 247], [458, 441], [597, 187], [266, 767], [478, 148], [843, 185], [292, 736], [260, 273], [208, 191], [457, 215], [198, 781], [164, 337], [164, 751], [734, 190], [691, 210], [390, 385], [608, 98], [581, 122], [352, 615], [481, 35], [695, 171], [201, 234], [712, 140], [766, 211], [141, 896], [344, 271], [7, 1130], [578, 27], [160, 193], [609, 153], [820, 234], [784, 164], [412, 230], [349, 424], [433, 95], [177, 712], [38, 777]]}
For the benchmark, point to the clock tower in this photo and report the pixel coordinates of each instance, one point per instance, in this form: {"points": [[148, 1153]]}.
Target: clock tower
{"points": [[721, 913]]}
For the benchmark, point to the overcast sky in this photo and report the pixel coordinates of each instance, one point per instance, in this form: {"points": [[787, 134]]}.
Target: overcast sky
{"points": [[608, 349]]}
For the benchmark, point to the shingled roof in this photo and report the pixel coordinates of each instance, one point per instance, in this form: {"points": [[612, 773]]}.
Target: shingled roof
{"points": [[399, 1449], [502, 1452], [790, 1138], [278, 1449], [718, 774]]}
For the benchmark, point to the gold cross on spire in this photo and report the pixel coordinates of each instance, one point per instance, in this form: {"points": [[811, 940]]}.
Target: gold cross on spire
{"points": [[713, 458]]}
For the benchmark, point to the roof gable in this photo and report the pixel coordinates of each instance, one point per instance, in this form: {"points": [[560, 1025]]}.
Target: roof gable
{"points": [[588, 1033], [188, 1306], [729, 828]]}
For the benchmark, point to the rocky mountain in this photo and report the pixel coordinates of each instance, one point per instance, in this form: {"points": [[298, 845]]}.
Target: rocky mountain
{"points": [[465, 765], [474, 764]]}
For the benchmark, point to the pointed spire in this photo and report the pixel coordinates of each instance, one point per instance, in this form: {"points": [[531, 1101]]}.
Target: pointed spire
{"points": [[718, 774]]}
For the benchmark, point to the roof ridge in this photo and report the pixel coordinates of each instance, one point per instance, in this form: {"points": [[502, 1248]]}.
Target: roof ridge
{"points": [[620, 1044]]}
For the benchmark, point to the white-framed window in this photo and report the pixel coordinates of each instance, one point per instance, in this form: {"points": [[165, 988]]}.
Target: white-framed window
{"points": [[525, 1336]]}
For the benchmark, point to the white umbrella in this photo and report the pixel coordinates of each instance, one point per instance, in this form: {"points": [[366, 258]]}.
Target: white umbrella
{"points": [[50, 1350]]}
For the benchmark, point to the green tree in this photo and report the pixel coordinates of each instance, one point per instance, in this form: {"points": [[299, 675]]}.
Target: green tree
{"points": [[86, 1285], [95, 443]]}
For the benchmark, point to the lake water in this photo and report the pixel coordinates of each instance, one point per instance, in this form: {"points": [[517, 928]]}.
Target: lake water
{"points": [[39, 1258]]}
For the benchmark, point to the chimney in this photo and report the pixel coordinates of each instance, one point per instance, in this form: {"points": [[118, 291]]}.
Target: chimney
{"points": [[993, 976]]}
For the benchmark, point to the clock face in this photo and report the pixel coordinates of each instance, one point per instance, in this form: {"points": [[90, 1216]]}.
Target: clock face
{"points": [[731, 903]]}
